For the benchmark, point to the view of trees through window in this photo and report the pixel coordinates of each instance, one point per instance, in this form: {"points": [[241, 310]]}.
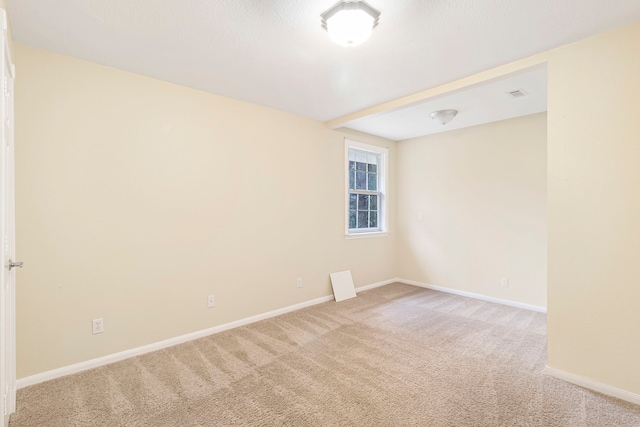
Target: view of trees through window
{"points": [[364, 195]]}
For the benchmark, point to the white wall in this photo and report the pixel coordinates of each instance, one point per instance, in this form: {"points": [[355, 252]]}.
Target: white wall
{"points": [[137, 198], [482, 194]]}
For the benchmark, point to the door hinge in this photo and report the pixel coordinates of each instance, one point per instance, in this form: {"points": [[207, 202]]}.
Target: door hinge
{"points": [[6, 87], [4, 398]]}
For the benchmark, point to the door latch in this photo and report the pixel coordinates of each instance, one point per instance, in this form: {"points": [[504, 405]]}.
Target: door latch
{"points": [[15, 264]]}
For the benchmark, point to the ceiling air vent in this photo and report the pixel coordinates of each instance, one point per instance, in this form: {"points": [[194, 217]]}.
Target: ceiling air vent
{"points": [[518, 93]]}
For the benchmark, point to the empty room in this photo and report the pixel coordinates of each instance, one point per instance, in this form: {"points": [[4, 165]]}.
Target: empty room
{"points": [[310, 213]]}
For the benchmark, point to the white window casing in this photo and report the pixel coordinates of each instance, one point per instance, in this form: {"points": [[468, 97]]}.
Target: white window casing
{"points": [[366, 172]]}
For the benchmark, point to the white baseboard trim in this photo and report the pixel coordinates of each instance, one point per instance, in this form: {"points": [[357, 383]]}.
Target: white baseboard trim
{"points": [[593, 385], [375, 285], [116, 357], [476, 296]]}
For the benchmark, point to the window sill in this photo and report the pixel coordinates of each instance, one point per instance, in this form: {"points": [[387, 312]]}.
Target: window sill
{"points": [[366, 235]]}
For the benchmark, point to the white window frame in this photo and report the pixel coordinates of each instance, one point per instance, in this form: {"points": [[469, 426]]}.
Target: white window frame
{"points": [[383, 174]]}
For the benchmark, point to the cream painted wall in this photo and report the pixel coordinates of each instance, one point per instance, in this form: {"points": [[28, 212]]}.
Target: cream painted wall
{"points": [[593, 213], [134, 201], [594, 209], [482, 192], [137, 198]]}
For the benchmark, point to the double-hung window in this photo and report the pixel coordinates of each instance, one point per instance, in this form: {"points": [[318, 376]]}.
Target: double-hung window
{"points": [[366, 173]]}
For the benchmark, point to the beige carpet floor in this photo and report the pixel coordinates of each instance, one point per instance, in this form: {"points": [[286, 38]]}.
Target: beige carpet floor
{"points": [[393, 356]]}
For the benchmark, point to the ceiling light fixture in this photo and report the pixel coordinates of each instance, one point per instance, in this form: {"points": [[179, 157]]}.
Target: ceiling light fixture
{"points": [[444, 116], [350, 23]]}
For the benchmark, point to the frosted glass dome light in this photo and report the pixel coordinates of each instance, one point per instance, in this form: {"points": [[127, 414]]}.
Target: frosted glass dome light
{"points": [[444, 116], [349, 23]]}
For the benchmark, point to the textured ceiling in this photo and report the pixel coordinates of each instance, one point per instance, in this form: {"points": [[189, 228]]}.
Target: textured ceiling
{"points": [[478, 104], [274, 52]]}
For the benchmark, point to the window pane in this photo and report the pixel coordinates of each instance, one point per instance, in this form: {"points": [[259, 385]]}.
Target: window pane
{"points": [[363, 202], [362, 219], [372, 182], [352, 219], [373, 219], [365, 209], [353, 201], [361, 180]]}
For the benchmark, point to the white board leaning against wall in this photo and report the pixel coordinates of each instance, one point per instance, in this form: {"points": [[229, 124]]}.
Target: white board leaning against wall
{"points": [[342, 284]]}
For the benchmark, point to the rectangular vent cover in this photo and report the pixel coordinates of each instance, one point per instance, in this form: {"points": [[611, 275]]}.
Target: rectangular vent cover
{"points": [[518, 93]]}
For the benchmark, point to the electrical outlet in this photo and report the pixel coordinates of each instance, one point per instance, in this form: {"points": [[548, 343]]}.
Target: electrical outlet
{"points": [[98, 326], [504, 282], [211, 301], [299, 282]]}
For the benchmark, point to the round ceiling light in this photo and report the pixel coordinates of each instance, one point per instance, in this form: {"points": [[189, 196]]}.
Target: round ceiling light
{"points": [[444, 116]]}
